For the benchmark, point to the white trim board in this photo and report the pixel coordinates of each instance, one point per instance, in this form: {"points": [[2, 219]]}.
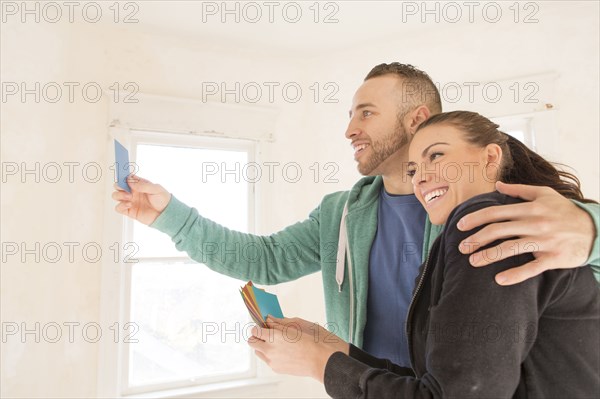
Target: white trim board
{"points": [[182, 115]]}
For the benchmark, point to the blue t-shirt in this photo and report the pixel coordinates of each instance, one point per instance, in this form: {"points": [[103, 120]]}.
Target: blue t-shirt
{"points": [[393, 267]]}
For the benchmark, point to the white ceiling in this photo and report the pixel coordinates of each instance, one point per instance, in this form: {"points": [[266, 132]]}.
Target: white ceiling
{"points": [[358, 22]]}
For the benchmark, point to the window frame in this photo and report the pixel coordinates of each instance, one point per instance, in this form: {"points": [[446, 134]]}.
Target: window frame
{"points": [[114, 362]]}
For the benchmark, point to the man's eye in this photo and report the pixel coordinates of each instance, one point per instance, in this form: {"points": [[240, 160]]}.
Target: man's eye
{"points": [[366, 113]]}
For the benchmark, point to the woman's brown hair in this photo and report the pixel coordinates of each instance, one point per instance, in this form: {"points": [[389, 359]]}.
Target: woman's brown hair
{"points": [[519, 164]]}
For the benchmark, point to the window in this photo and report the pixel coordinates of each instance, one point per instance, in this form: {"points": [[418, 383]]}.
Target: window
{"points": [[520, 127], [189, 321]]}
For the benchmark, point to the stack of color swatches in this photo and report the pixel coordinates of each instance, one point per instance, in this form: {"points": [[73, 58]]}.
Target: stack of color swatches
{"points": [[260, 304]]}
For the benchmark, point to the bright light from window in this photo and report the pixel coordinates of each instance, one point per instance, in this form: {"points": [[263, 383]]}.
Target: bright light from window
{"points": [[520, 127], [189, 173], [518, 134], [192, 321]]}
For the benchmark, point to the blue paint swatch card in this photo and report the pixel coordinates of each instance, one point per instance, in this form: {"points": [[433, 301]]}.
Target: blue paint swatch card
{"points": [[122, 166], [268, 304]]}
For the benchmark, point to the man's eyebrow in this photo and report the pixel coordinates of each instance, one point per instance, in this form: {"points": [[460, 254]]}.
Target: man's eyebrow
{"points": [[428, 147], [361, 106]]}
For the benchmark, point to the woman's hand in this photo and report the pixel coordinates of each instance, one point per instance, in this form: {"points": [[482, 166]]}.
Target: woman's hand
{"points": [[296, 346]]}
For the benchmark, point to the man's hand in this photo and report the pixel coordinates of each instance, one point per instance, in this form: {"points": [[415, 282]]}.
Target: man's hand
{"points": [[558, 233], [146, 201], [296, 346]]}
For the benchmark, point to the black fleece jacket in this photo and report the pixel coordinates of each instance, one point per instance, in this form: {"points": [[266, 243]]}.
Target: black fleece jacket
{"points": [[471, 338]]}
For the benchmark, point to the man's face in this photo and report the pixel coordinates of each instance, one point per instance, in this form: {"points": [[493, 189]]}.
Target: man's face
{"points": [[376, 133]]}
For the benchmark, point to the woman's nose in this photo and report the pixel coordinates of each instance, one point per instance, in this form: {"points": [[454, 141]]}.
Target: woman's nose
{"points": [[418, 177]]}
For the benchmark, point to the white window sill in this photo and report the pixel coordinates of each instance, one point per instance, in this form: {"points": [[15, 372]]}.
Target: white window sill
{"points": [[245, 388]]}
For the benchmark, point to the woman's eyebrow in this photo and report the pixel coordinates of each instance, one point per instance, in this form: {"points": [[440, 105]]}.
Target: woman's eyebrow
{"points": [[428, 147]]}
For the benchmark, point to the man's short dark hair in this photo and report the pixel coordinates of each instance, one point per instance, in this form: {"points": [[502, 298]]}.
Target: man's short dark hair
{"points": [[417, 86]]}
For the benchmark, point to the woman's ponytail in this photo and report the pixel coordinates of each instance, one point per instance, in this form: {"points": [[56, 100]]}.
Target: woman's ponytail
{"points": [[527, 167]]}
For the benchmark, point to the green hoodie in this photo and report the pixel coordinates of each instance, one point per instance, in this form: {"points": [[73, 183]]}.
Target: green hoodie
{"points": [[306, 247]]}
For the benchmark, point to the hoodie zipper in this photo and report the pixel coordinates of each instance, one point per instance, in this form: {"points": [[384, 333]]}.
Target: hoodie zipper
{"points": [[411, 309]]}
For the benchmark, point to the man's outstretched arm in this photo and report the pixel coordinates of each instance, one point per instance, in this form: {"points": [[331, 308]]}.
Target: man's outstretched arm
{"points": [[559, 232], [283, 256]]}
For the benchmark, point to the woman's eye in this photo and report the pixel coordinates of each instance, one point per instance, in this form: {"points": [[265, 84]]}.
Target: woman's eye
{"points": [[411, 173], [435, 155]]}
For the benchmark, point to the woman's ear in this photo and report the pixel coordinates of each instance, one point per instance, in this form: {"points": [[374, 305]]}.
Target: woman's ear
{"points": [[493, 154], [414, 118]]}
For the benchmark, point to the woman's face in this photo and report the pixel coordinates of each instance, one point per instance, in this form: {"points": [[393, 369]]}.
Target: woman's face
{"points": [[447, 170]]}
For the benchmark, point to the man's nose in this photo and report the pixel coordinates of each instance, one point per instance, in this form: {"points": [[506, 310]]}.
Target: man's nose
{"points": [[352, 130]]}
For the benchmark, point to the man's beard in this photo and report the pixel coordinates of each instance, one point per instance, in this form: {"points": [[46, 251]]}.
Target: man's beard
{"points": [[383, 148]]}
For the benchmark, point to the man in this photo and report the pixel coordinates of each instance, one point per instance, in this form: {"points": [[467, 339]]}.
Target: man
{"points": [[370, 241]]}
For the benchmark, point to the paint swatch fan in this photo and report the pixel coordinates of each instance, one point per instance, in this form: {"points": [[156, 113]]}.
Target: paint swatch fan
{"points": [[260, 304]]}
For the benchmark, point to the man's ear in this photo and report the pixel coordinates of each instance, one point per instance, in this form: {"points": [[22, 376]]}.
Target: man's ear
{"points": [[414, 118]]}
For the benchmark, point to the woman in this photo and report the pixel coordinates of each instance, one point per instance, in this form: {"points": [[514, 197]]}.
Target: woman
{"points": [[468, 337]]}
